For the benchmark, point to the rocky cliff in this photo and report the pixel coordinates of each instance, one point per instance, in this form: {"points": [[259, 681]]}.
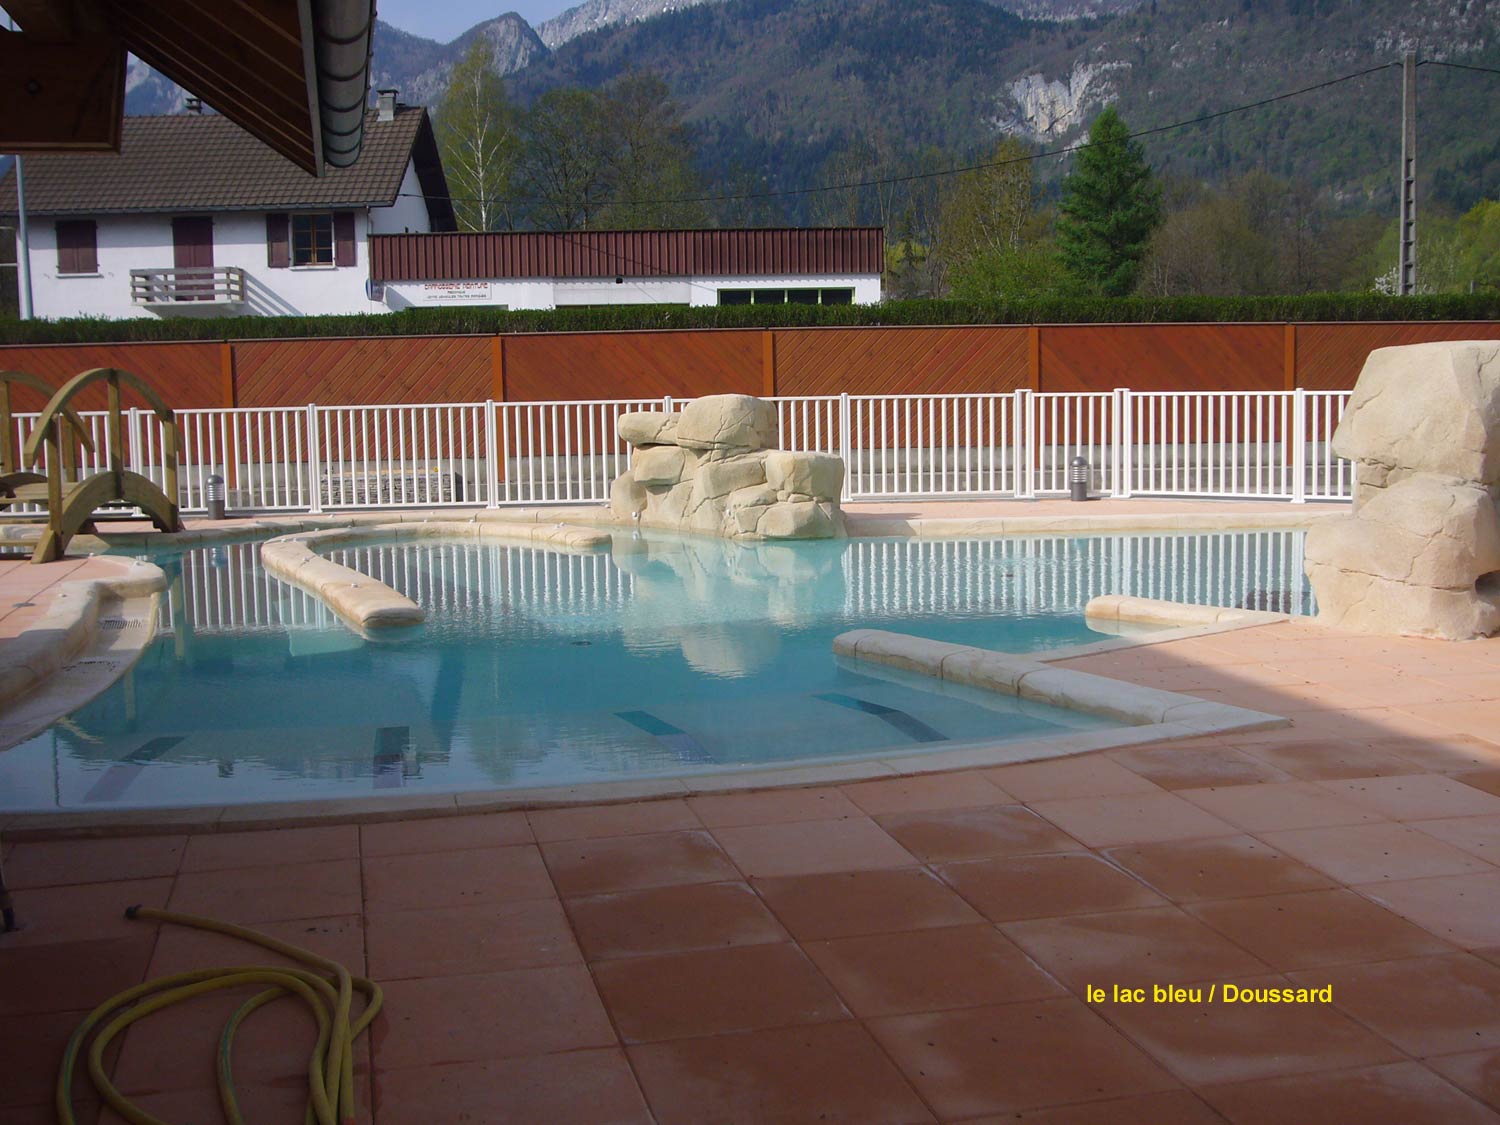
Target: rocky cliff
{"points": [[419, 67], [595, 14]]}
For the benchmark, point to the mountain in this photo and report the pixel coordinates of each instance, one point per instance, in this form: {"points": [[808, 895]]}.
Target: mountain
{"points": [[1070, 9], [596, 14], [776, 88], [419, 67], [415, 66], [779, 92], [147, 91]]}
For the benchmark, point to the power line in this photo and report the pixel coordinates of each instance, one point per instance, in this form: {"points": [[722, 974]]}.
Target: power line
{"points": [[917, 176], [1460, 66]]}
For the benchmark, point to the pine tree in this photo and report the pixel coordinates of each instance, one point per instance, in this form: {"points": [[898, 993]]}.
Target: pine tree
{"points": [[1111, 205]]}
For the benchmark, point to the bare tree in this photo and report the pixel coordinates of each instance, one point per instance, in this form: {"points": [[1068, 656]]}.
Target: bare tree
{"points": [[565, 164], [476, 134]]}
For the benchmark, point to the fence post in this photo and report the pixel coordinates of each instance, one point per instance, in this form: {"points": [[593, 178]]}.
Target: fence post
{"points": [[846, 432], [1299, 446], [666, 403], [137, 462], [314, 460], [1124, 442], [1024, 428], [493, 456]]}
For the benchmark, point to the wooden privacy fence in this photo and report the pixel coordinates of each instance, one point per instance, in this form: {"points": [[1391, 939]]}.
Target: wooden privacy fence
{"points": [[810, 362]]}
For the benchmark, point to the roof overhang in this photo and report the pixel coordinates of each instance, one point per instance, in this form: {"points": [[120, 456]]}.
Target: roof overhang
{"points": [[293, 73]]}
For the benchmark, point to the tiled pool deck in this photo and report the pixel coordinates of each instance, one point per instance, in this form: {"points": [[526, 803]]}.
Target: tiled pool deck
{"points": [[890, 951]]}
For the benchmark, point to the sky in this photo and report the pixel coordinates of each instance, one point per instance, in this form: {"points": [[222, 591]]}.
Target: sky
{"points": [[449, 20]]}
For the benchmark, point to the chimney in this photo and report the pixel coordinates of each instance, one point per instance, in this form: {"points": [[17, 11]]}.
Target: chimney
{"points": [[385, 105], [192, 104]]}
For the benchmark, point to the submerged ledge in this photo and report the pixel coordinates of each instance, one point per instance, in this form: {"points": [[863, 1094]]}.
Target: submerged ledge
{"points": [[1061, 687], [94, 629], [366, 603]]}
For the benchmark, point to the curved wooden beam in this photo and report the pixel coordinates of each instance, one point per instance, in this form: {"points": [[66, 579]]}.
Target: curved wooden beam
{"points": [[84, 498], [36, 383], [113, 375]]}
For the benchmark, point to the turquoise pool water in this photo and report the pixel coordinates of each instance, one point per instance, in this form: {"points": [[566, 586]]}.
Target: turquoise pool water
{"points": [[664, 656]]}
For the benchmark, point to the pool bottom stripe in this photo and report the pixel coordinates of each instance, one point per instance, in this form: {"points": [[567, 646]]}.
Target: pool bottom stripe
{"points": [[123, 773], [909, 725], [684, 745], [388, 757]]}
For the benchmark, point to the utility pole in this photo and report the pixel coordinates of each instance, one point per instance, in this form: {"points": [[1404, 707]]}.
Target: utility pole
{"points": [[1406, 271], [23, 234], [23, 248]]}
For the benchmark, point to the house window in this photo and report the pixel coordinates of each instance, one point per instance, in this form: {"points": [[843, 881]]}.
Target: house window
{"points": [[77, 246], [786, 296], [312, 240]]}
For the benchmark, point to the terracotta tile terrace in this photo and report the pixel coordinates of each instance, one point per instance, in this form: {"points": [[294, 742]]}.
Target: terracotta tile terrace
{"points": [[904, 950]]}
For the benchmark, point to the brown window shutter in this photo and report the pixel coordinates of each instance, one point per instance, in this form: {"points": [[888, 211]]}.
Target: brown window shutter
{"points": [[67, 256], [343, 238], [278, 250], [77, 246]]}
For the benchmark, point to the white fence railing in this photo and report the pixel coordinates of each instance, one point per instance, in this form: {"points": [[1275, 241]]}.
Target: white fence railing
{"points": [[1269, 445]]}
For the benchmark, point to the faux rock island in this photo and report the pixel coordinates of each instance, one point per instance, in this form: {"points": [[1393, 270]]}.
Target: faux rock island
{"points": [[713, 468], [1420, 555]]}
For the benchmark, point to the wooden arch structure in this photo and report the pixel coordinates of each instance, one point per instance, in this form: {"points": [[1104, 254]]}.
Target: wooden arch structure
{"points": [[12, 475], [71, 506]]}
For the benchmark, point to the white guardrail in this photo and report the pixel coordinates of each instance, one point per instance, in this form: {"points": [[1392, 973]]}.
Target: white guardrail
{"points": [[1267, 445]]}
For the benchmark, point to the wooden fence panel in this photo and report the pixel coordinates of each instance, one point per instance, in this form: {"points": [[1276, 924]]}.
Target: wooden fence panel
{"points": [[1162, 357], [890, 361], [368, 371], [613, 365], [686, 364], [1330, 356], [186, 374]]}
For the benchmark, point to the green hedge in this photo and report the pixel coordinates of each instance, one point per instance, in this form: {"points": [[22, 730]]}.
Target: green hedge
{"points": [[465, 321]]}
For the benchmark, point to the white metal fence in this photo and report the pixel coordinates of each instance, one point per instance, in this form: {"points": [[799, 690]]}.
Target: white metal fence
{"points": [[1269, 445]]}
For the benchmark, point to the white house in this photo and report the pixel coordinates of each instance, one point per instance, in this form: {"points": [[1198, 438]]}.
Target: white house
{"points": [[543, 270], [194, 216]]}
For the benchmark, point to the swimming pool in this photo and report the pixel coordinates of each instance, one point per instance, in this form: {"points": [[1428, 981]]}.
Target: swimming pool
{"points": [[664, 656]]}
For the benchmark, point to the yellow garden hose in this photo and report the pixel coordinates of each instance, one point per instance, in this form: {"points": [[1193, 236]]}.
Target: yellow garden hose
{"points": [[330, 1067]]}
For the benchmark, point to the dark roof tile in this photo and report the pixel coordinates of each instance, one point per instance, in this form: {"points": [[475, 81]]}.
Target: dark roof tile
{"points": [[193, 162]]}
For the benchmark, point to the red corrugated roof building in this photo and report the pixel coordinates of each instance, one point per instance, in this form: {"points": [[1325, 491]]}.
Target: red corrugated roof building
{"points": [[829, 265]]}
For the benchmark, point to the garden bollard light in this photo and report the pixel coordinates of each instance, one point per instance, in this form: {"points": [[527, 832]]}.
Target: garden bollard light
{"points": [[1078, 479], [214, 494]]}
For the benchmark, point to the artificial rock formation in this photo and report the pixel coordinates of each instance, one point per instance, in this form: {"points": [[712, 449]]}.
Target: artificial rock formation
{"points": [[1420, 555], [712, 468]]}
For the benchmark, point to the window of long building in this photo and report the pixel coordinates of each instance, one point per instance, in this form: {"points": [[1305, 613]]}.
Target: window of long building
{"points": [[808, 296]]}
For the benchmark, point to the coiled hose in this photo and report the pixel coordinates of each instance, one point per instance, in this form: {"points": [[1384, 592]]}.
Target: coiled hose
{"points": [[330, 1067]]}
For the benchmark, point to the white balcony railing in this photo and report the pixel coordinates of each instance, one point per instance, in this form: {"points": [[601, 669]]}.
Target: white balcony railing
{"points": [[219, 285]]}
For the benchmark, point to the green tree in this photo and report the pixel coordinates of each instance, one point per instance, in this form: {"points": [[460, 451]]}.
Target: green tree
{"points": [[1028, 271], [565, 165], [476, 135], [986, 211], [1110, 206], [651, 157]]}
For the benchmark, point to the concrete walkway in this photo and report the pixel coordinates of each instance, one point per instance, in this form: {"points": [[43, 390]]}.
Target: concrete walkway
{"points": [[894, 951]]}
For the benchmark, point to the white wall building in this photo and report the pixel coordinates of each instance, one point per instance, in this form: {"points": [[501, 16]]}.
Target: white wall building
{"points": [[542, 270], [195, 217]]}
